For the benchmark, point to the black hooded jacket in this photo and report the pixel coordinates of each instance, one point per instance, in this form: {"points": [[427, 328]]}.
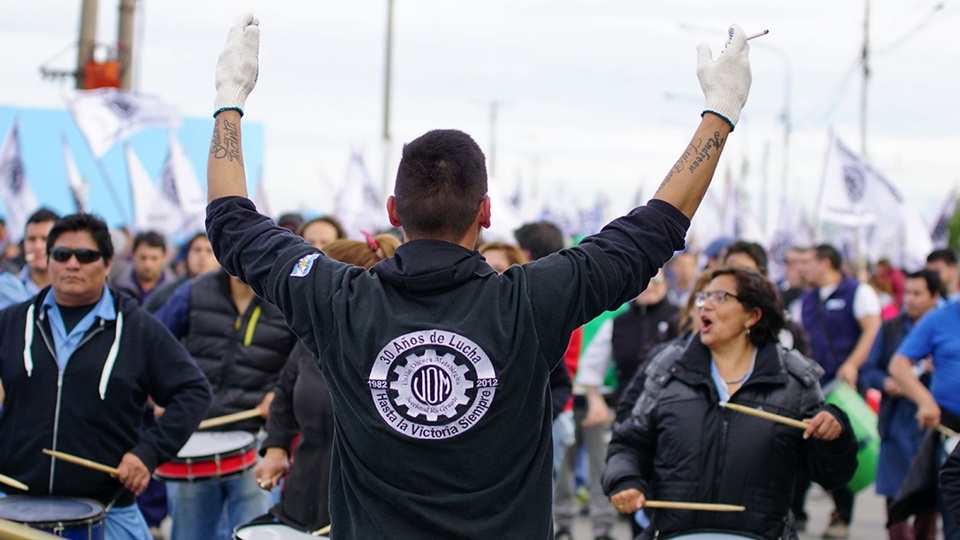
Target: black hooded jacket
{"points": [[94, 407], [437, 367], [680, 445]]}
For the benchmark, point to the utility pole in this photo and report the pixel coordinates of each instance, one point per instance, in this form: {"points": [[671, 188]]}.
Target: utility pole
{"points": [[88, 39], [865, 60], [386, 101], [128, 10]]}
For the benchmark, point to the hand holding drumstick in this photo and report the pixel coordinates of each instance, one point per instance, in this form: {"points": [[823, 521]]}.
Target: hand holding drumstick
{"points": [[823, 426]]}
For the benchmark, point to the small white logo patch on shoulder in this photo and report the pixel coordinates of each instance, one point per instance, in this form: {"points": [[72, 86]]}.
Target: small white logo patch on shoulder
{"points": [[303, 266]]}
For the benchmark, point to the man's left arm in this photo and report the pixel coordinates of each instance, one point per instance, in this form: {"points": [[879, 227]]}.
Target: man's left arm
{"points": [[176, 383], [866, 309]]}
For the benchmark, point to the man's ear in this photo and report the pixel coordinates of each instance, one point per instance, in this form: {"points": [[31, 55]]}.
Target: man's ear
{"points": [[483, 214], [392, 211]]}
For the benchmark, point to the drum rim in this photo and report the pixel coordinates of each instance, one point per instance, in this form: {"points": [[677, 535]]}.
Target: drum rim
{"points": [[247, 526], [88, 520], [252, 444], [168, 477]]}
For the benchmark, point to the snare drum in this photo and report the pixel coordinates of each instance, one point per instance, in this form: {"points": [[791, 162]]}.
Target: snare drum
{"points": [[864, 423], [66, 517], [710, 536], [271, 531], [207, 455]]}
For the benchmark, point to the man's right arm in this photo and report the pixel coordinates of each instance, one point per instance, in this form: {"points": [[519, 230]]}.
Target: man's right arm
{"points": [[916, 346]]}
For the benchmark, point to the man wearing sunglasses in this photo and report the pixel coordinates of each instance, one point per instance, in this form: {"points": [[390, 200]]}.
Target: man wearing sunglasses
{"points": [[78, 362]]}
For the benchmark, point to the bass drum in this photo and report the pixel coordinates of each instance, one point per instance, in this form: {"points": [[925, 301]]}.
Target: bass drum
{"points": [[864, 422]]}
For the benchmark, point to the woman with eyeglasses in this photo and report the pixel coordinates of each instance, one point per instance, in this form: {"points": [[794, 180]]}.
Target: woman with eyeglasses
{"points": [[680, 444]]}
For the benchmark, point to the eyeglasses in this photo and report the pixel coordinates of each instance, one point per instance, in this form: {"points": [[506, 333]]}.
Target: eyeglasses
{"points": [[84, 255], [718, 297]]}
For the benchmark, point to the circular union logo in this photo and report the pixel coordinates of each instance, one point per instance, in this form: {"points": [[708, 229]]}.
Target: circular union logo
{"points": [[432, 384], [855, 183]]}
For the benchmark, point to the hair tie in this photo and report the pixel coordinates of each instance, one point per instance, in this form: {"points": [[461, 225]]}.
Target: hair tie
{"points": [[371, 243]]}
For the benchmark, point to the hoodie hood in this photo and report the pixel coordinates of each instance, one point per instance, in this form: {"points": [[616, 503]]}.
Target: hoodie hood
{"points": [[423, 266]]}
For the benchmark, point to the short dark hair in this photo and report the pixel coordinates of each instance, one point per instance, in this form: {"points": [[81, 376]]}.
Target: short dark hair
{"points": [[751, 249], [291, 220], [43, 215], [82, 222], [151, 239], [441, 181], [827, 251], [756, 292], [945, 255], [540, 238], [934, 284], [332, 221]]}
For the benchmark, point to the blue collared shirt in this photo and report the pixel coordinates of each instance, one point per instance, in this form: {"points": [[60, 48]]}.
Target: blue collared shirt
{"points": [[66, 343], [12, 290], [28, 283]]}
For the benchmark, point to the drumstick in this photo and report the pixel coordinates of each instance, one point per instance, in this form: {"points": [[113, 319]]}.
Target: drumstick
{"points": [[765, 415], [16, 531], [321, 531], [694, 506], [83, 462], [947, 431], [4, 479], [229, 418]]}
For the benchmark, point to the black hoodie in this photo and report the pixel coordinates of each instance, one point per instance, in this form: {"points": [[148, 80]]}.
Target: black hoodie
{"points": [[438, 367], [81, 415]]}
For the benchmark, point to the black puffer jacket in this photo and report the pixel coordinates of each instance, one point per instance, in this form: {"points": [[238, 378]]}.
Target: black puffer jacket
{"points": [[681, 445]]}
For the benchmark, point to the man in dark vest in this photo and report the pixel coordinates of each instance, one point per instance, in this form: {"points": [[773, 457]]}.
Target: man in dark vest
{"points": [[241, 344], [841, 317]]}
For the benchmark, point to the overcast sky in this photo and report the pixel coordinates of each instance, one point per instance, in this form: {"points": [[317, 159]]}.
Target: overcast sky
{"points": [[596, 96]]}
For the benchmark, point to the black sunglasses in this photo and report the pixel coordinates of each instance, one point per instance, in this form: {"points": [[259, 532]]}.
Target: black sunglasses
{"points": [[84, 255]]}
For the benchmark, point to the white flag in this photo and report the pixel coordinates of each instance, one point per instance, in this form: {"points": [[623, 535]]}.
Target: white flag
{"points": [[940, 227], [108, 115], [854, 194], [151, 210], [18, 198], [79, 187], [178, 183], [358, 205], [261, 198]]}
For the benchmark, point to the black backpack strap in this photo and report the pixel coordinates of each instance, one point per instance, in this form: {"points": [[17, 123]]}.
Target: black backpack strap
{"points": [[657, 374]]}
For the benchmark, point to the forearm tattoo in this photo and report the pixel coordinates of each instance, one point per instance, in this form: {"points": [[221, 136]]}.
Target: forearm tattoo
{"points": [[694, 155], [225, 143]]}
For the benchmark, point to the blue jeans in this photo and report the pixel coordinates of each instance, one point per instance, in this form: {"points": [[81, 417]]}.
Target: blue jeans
{"points": [[126, 523], [196, 508]]}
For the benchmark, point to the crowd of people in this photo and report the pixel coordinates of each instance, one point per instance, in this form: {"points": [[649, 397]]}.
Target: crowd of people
{"points": [[416, 384]]}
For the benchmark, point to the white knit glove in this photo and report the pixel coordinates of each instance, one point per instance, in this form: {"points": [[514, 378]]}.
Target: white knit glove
{"points": [[238, 65], [726, 82]]}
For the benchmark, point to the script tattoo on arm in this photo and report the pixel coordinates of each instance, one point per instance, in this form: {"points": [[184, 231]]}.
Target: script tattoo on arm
{"points": [[694, 155], [225, 143]]}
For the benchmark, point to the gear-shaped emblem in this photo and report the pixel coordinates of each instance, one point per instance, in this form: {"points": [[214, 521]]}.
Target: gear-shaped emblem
{"points": [[431, 386]]}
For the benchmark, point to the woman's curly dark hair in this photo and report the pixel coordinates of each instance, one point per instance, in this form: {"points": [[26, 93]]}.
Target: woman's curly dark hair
{"points": [[756, 292]]}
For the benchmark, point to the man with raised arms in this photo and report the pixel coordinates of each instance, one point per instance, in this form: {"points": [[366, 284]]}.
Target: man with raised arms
{"points": [[400, 469]]}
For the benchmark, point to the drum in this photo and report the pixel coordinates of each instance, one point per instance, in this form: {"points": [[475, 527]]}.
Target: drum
{"points": [[864, 422], [207, 455], [710, 536], [78, 519], [271, 531]]}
